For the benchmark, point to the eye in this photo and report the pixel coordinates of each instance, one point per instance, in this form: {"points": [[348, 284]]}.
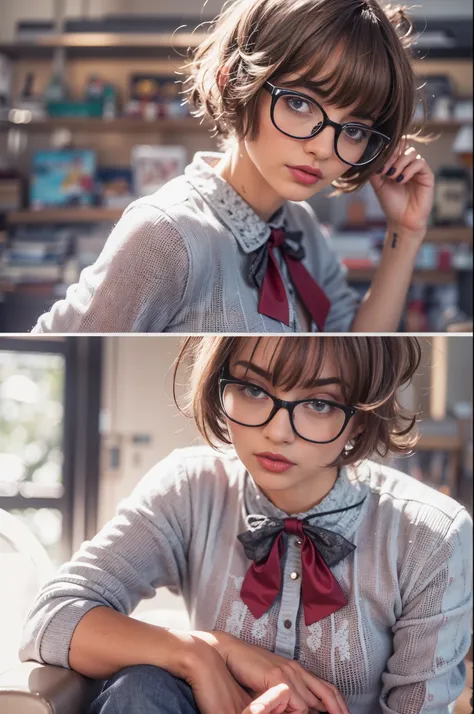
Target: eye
{"points": [[319, 407], [252, 391], [357, 133], [299, 105]]}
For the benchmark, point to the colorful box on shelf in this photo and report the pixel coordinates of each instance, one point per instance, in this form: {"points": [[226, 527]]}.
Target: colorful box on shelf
{"points": [[63, 178]]}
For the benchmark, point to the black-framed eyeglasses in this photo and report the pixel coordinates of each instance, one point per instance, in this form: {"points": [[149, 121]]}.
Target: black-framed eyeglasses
{"points": [[299, 116], [319, 421]]}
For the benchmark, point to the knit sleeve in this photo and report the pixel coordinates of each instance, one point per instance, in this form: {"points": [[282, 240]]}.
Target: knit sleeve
{"points": [[142, 548], [426, 672], [136, 285]]}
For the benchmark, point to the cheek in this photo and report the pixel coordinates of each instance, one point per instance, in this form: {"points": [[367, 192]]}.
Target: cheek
{"points": [[269, 144], [239, 435]]}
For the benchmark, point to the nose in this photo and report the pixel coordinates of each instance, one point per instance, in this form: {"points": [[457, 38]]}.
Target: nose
{"points": [[322, 145], [279, 429]]}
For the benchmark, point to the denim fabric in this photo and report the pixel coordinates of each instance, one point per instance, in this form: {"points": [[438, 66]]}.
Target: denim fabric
{"points": [[144, 689]]}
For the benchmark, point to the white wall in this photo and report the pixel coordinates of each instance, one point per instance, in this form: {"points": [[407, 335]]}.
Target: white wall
{"points": [[137, 403], [460, 361]]}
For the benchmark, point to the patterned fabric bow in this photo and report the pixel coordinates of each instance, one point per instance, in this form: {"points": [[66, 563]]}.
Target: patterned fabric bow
{"points": [[321, 549], [265, 274]]}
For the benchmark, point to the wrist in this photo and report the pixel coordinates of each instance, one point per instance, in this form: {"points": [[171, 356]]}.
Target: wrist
{"points": [[401, 234], [188, 652], [219, 641]]}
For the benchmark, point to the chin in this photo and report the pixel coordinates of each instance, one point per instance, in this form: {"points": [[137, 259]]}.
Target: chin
{"points": [[295, 192]]}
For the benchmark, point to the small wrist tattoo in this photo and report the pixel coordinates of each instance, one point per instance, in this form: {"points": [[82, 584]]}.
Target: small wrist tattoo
{"points": [[394, 240]]}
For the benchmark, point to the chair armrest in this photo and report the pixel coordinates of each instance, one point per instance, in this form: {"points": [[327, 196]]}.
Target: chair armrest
{"points": [[33, 688]]}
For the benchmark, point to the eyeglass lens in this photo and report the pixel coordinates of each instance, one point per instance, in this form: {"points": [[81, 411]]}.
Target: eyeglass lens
{"points": [[301, 118], [314, 420]]}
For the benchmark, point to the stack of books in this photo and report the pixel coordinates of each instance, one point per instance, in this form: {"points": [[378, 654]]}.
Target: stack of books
{"points": [[35, 255]]}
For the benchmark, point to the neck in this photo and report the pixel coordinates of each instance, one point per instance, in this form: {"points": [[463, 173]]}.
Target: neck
{"points": [[237, 168], [303, 497]]}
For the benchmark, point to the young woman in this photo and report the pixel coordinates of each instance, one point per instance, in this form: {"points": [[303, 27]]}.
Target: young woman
{"points": [[305, 94], [316, 579]]}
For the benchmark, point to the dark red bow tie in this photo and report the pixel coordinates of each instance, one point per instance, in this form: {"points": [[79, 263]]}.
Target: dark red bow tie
{"points": [[321, 549], [273, 300]]}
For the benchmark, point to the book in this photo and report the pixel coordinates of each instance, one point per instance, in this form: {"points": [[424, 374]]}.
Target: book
{"points": [[62, 178], [115, 186], [153, 166]]}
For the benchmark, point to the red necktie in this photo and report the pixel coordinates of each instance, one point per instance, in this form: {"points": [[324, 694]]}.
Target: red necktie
{"points": [[273, 299], [321, 593]]}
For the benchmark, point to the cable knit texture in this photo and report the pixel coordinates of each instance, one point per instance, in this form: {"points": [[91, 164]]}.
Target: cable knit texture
{"points": [[178, 261], [397, 647]]}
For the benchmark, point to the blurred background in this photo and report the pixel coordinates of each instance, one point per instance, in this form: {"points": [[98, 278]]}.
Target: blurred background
{"points": [[91, 116], [82, 420]]}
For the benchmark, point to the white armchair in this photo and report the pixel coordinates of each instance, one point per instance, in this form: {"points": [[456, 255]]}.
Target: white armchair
{"points": [[29, 687]]}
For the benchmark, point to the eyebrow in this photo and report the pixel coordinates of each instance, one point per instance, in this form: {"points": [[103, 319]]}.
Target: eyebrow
{"points": [[266, 375], [315, 88]]}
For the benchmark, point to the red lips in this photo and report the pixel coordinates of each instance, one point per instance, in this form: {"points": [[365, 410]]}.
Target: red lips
{"points": [[309, 170]]}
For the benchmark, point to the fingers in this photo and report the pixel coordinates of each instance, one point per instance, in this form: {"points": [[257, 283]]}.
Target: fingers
{"points": [[293, 673], [289, 673], [404, 164], [330, 697], [273, 701]]}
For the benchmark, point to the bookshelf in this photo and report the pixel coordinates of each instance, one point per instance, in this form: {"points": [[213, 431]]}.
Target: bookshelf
{"points": [[420, 277], [64, 215], [102, 44], [123, 125]]}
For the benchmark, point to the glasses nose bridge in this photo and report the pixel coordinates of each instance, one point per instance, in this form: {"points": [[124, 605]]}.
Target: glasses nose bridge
{"points": [[282, 404], [289, 407]]}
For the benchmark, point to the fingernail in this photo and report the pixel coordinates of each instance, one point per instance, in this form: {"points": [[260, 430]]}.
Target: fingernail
{"points": [[379, 171], [391, 171], [399, 178]]}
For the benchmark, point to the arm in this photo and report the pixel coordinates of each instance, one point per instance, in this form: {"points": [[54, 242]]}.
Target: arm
{"points": [[382, 307], [426, 673], [137, 284], [405, 189], [144, 547]]}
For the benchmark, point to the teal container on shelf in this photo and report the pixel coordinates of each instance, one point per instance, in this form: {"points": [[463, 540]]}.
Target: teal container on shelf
{"points": [[75, 109]]}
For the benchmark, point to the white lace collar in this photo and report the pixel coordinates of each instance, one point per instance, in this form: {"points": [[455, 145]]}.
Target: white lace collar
{"points": [[250, 231], [351, 487]]}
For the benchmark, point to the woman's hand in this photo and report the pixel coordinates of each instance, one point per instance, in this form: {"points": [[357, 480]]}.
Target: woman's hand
{"points": [[214, 687], [259, 670], [275, 701], [405, 189]]}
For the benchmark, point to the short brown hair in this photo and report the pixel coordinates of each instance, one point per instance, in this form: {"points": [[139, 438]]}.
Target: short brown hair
{"points": [[379, 366], [262, 40]]}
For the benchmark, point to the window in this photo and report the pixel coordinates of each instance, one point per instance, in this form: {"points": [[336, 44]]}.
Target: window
{"points": [[49, 440]]}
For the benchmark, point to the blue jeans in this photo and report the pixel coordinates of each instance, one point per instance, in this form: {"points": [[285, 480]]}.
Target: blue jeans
{"points": [[144, 689]]}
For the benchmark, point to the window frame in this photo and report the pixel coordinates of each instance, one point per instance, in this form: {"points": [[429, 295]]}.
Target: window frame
{"points": [[81, 435]]}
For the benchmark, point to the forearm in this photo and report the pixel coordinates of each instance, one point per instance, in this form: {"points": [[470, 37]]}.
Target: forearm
{"points": [[106, 641], [382, 308]]}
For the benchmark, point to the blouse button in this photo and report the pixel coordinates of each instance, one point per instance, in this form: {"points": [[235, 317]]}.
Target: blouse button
{"points": [[294, 576], [287, 624]]}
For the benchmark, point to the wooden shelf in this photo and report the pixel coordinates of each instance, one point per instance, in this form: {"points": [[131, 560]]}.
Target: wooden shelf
{"points": [[64, 215], [103, 44], [121, 125], [432, 125], [420, 277], [7, 287], [439, 442], [449, 234]]}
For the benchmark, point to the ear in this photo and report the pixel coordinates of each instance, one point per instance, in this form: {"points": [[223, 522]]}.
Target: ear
{"points": [[223, 76]]}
